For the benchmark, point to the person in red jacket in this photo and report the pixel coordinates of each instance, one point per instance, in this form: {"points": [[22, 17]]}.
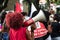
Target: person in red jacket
{"points": [[17, 27]]}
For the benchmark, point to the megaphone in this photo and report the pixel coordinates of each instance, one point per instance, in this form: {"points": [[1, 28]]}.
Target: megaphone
{"points": [[41, 16]]}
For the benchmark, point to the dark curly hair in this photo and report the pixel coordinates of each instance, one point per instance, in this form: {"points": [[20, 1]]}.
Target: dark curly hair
{"points": [[57, 17], [14, 20]]}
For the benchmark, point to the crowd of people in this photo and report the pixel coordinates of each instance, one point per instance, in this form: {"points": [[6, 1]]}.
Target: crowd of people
{"points": [[18, 25]]}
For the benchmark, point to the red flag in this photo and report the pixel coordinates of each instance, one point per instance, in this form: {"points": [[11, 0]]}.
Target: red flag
{"points": [[18, 8]]}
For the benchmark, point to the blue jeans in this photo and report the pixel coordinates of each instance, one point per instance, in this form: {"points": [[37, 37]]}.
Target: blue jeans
{"points": [[56, 38], [5, 36]]}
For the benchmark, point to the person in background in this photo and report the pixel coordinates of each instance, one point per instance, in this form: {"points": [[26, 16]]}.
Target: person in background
{"points": [[40, 30], [53, 6], [51, 19], [54, 28], [3, 5], [4, 28], [51, 15]]}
